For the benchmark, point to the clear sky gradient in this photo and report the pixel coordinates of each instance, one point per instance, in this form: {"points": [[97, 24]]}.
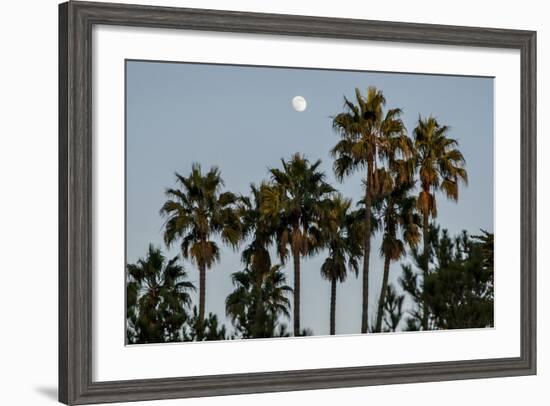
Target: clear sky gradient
{"points": [[240, 119]]}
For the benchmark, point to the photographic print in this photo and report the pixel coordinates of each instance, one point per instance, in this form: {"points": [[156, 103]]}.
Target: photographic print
{"points": [[272, 202]]}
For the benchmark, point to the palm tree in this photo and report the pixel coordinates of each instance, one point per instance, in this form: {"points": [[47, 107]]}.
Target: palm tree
{"points": [[260, 289], [294, 202], [196, 213], [257, 302], [440, 168], [401, 224], [258, 227], [367, 136], [340, 238], [159, 290]]}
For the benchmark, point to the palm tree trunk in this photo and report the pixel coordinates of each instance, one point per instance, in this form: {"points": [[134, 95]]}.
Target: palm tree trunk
{"points": [[258, 331], [202, 292], [382, 299], [425, 263], [366, 257], [426, 242], [333, 306], [296, 259]]}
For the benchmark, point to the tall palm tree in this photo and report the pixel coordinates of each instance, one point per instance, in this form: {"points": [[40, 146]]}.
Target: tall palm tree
{"points": [[344, 247], [294, 202], [367, 136], [260, 282], [401, 226], [257, 302], [159, 289], [196, 213], [258, 227], [440, 168]]}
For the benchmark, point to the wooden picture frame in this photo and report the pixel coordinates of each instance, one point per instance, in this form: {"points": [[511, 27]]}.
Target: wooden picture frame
{"points": [[76, 20]]}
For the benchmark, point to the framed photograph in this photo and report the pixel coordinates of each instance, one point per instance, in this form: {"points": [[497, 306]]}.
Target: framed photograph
{"points": [[259, 202]]}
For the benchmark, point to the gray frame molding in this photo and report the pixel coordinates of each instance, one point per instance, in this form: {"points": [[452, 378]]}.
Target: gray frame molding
{"points": [[75, 179]]}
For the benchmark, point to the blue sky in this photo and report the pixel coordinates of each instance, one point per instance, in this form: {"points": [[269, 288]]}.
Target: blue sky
{"points": [[240, 119]]}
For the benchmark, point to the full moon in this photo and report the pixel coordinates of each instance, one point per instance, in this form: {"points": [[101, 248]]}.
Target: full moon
{"points": [[299, 103]]}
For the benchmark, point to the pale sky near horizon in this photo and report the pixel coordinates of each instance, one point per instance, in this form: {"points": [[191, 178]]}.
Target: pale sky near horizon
{"points": [[179, 113]]}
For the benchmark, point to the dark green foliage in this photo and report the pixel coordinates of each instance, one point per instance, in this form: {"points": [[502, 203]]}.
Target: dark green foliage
{"points": [[157, 299], [393, 309], [305, 332], [458, 291], [207, 329], [411, 282]]}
